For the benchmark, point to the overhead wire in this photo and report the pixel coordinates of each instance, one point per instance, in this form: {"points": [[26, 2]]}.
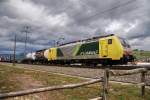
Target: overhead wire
{"points": [[107, 10]]}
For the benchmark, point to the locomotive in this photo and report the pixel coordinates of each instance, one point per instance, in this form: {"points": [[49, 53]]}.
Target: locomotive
{"points": [[105, 50]]}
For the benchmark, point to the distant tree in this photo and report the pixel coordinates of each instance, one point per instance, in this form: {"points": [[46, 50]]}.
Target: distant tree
{"points": [[136, 50]]}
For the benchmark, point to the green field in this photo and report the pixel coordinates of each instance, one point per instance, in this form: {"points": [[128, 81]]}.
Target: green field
{"points": [[140, 54], [14, 79]]}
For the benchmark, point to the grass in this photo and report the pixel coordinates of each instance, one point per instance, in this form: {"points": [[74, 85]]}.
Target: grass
{"points": [[8, 83], [124, 92], [141, 54], [116, 91]]}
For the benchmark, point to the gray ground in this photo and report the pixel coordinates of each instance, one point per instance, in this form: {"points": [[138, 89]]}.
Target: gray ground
{"points": [[83, 72]]}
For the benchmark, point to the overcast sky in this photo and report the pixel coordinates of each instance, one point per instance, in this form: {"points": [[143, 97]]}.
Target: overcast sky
{"points": [[73, 20]]}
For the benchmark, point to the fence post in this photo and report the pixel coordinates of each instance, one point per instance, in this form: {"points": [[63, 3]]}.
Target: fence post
{"points": [[143, 81], [105, 84]]}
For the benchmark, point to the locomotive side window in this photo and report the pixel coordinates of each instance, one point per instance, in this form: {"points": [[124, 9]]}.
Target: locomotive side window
{"points": [[109, 41]]}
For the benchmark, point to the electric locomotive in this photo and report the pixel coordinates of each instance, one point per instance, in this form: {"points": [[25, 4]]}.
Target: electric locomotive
{"points": [[106, 50]]}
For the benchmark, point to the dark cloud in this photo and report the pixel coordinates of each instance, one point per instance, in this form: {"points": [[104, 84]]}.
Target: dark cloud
{"points": [[73, 19]]}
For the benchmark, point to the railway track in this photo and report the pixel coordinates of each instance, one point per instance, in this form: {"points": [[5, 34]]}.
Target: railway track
{"points": [[113, 67], [87, 72], [99, 66]]}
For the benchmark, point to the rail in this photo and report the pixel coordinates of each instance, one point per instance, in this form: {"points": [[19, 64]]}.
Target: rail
{"points": [[105, 83]]}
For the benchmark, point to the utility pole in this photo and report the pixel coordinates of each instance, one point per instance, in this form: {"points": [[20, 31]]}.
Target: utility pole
{"points": [[26, 30], [14, 56]]}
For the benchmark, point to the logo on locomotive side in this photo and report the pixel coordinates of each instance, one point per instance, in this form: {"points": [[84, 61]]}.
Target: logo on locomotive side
{"points": [[89, 52]]}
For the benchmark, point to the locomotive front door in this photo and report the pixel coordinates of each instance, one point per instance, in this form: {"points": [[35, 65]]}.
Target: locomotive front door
{"points": [[103, 48]]}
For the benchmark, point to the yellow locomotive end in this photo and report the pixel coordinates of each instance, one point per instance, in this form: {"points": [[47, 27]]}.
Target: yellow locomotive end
{"points": [[110, 48], [52, 55]]}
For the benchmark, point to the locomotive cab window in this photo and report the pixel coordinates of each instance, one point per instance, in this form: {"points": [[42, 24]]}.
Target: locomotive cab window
{"points": [[109, 41]]}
